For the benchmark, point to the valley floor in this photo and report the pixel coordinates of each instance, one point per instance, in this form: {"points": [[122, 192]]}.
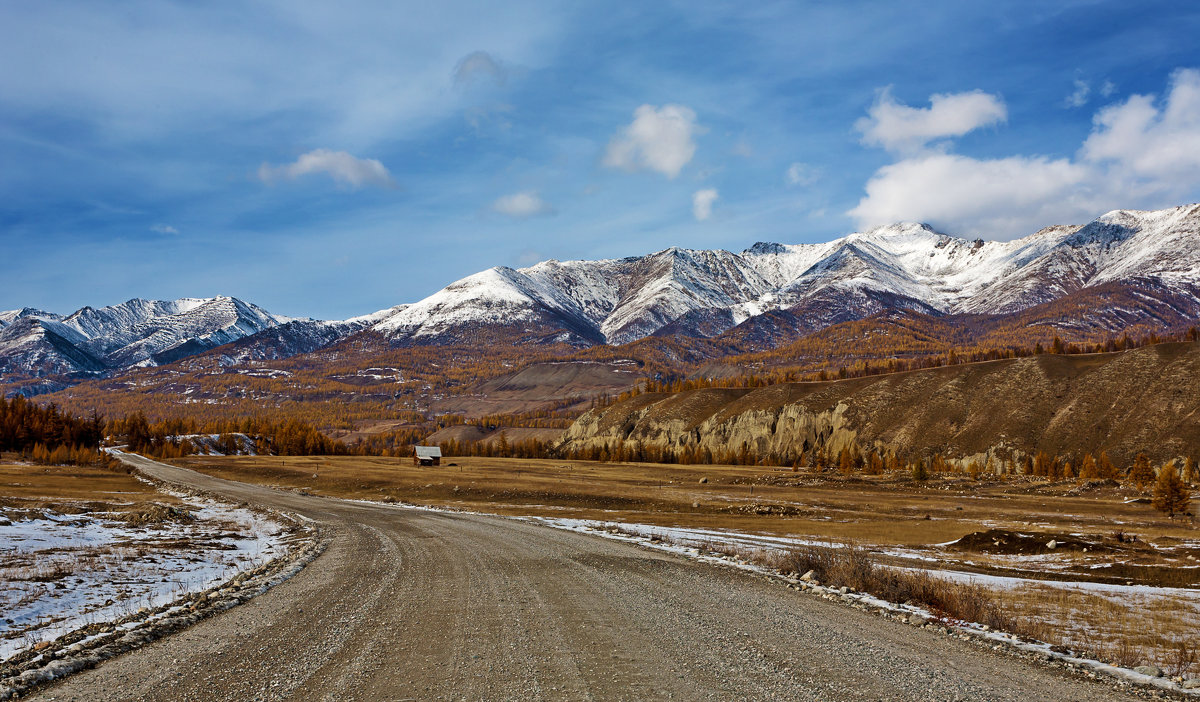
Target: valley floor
{"points": [[428, 604]]}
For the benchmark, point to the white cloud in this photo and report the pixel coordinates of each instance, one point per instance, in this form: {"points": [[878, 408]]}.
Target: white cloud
{"points": [[702, 203], [658, 139], [898, 127], [1108, 88], [801, 174], [1079, 97], [339, 165], [164, 229], [522, 205], [479, 65], [1152, 142], [1141, 153], [982, 197]]}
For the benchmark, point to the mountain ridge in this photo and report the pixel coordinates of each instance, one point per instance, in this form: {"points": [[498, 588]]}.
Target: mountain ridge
{"points": [[767, 295], [621, 300]]}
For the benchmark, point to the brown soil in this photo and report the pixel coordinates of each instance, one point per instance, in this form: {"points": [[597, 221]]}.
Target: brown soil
{"points": [[1009, 542]]}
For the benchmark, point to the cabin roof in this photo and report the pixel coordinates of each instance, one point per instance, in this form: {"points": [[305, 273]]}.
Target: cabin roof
{"points": [[429, 452]]}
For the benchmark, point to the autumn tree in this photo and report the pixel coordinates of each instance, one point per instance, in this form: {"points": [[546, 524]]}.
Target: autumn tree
{"points": [[845, 463], [1141, 474], [1087, 468], [1170, 494], [1189, 468], [1105, 470]]}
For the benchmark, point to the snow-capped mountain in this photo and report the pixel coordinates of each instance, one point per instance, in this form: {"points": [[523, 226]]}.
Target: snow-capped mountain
{"points": [[905, 265], [1123, 269], [137, 332]]}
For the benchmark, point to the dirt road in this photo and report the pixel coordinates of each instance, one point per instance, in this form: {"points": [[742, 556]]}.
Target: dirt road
{"points": [[408, 604]]}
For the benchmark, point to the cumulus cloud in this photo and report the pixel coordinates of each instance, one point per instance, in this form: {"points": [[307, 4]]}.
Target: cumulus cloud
{"points": [[659, 139], [339, 165], [164, 229], [522, 205], [702, 203], [1153, 142], [801, 174], [1079, 97], [898, 127], [985, 196], [1142, 152], [479, 66]]}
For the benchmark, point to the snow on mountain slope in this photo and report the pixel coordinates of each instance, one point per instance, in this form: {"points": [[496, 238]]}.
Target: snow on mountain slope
{"points": [[614, 300], [32, 347], [1161, 245], [137, 332], [903, 265], [10, 316], [767, 294]]}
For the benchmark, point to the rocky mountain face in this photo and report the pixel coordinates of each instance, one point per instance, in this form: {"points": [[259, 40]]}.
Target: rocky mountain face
{"points": [[794, 289]]}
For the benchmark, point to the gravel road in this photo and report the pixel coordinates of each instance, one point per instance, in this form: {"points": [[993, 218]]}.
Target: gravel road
{"points": [[408, 604]]}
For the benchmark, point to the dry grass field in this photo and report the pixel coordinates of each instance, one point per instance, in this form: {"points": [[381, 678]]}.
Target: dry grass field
{"points": [[32, 486], [883, 510]]}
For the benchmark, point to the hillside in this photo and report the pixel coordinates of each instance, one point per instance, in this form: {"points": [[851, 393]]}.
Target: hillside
{"points": [[1145, 400]]}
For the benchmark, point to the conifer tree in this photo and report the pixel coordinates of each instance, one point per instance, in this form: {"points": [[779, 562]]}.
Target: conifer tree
{"points": [[1170, 494], [1141, 474], [845, 463], [1087, 468], [1105, 470]]}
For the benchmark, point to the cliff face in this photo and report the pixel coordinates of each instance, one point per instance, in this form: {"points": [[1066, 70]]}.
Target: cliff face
{"points": [[1147, 400]]}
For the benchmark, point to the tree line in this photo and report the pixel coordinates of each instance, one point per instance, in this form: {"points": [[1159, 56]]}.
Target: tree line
{"points": [[49, 435]]}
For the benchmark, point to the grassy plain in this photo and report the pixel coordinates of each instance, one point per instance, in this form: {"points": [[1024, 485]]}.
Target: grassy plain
{"points": [[31, 486]]}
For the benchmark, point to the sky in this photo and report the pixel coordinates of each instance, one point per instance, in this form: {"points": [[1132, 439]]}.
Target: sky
{"points": [[327, 162]]}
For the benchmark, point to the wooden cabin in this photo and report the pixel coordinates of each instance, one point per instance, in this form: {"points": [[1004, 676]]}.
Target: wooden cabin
{"points": [[427, 456]]}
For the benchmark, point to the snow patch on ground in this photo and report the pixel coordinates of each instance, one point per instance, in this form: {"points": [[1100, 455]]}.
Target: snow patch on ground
{"points": [[60, 572]]}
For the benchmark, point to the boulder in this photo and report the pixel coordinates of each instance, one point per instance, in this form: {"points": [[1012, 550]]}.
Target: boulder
{"points": [[1151, 670]]}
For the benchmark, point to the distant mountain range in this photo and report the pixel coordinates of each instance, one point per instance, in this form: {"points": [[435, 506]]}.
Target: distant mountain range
{"points": [[767, 295]]}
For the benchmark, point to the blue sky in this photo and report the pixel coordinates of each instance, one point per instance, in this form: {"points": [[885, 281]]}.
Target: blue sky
{"points": [[331, 162]]}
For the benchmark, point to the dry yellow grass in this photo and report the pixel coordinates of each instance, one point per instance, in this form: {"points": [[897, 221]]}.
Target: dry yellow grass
{"points": [[29, 485], [879, 510], [1154, 627]]}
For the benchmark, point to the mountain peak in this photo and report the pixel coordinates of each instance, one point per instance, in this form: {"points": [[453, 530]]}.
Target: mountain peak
{"points": [[765, 247]]}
